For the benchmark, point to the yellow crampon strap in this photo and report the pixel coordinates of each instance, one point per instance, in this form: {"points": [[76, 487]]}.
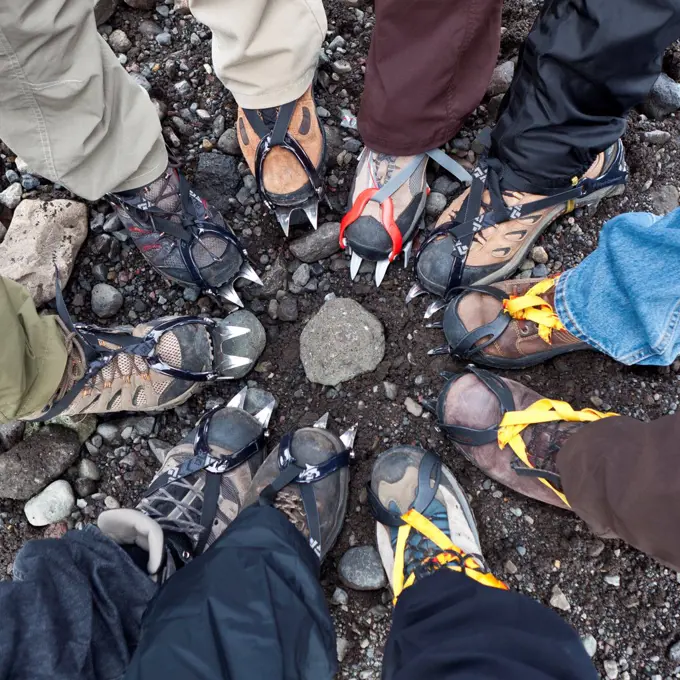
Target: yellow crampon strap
{"points": [[542, 411], [533, 308], [571, 204], [450, 552]]}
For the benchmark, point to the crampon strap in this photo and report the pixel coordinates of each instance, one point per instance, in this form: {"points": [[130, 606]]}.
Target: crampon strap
{"points": [[533, 308], [451, 556], [383, 196], [542, 411]]}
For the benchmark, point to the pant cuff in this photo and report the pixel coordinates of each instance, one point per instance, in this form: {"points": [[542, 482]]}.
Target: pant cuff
{"points": [[407, 146], [152, 168], [279, 96]]}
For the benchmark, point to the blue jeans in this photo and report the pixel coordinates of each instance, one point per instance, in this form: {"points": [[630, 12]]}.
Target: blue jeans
{"points": [[624, 298]]}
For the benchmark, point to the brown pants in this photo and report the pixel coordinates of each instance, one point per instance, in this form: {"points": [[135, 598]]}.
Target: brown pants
{"points": [[621, 476]]}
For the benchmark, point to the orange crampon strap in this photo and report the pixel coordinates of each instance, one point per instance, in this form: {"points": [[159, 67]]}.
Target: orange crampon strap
{"points": [[542, 411], [451, 553], [534, 308]]}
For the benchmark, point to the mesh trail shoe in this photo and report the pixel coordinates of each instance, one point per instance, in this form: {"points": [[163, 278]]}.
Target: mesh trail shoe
{"points": [[200, 488], [509, 431], [306, 477], [511, 324], [182, 237], [285, 148], [424, 520], [486, 233], [153, 367], [386, 207]]}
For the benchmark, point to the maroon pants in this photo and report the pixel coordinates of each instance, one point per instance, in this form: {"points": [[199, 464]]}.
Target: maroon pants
{"points": [[622, 477], [585, 64]]}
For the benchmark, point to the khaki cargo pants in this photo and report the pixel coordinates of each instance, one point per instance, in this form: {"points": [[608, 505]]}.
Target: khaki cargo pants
{"points": [[70, 110]]}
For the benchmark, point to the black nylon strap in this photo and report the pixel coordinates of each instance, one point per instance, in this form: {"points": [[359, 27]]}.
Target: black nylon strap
{"points": [[211, 500], [288, 475], [523, 471], [313, 520], [282, 123]]}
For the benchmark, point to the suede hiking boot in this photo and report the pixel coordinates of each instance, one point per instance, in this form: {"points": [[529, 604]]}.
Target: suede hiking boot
{"points": [[510, 432], [306, 477], [285, 148], [386, 207], [486, 234], [200, 488], [182, 237], [511, 324], [424, 520], [155, 366]]}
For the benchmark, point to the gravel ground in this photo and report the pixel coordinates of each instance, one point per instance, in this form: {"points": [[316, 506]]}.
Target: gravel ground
{"points": [[623, 602]]}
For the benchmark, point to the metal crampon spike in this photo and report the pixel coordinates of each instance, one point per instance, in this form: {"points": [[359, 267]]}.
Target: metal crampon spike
{"points": [[348, 437], [435, 307], [228, 293], [435, 324], [444, 349], [283, 216], [407, 253], [247, 272], [380, 271], [311, 209], [239, 399], [354, 265], [233, 332], [322, 423], [263, 416], [415, 291], [230, 361], [429, 405]]}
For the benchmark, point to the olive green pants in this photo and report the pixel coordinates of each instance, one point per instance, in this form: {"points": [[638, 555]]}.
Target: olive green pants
{"points": [[32, 354]]}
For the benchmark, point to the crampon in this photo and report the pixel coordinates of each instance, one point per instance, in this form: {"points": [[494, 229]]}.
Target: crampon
{"points": [[285, 148], [387, 206]]}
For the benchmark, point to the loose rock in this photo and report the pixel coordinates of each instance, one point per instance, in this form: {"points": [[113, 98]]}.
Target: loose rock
{"points": [[590, 644], [319, 244], [217, 177], [390, 390], [84, 487], [228, 143], [360, 568], [274, 279], [159, 449], [664, 98], [340, 596], [51, 505], [665, 199], [539, 255], [287, 309], [611, 669], [89, 470], [83, 425], [43, 235], [302, 275], [435, 204], [501, 79], [413, 407], [657, 137], [559, 600], [340, 342], [119, 42], [11, 196], [106, 300], [103, 10], [11, 434]]}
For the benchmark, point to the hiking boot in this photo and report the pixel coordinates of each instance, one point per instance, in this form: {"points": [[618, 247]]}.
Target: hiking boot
{"points": [[424, 520], [306, 477], [156, 366], [285, 148], [386, 207], [200, 488], [486, 234], [182, 237], [511, 324], [510, 432]]}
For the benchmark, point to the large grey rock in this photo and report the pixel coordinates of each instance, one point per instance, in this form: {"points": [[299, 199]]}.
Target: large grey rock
{"points": [[217, 178], [665, 199], [103, 10], [34, 462], [51, 505], [340, 342], [360, 568], [664, 98], [43, 235], [501, 79], [106, 300], [11, 434], [319, 244]]}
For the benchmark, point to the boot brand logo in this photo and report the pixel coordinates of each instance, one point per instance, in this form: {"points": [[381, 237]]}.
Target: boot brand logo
{"points": [[515, 212], [314, 545]]}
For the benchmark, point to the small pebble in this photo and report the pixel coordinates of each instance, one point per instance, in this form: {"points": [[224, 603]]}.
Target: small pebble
{"points": [[413, 407], [164, 39], [111, 503]]}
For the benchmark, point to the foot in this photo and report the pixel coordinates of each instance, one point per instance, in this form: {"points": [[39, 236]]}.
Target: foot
{"points": [[314, 499], [499, 425], [157, 366], [512, 324], [378, 230], [498, 249], [285, 149], [182, 237], [413, 493], [199, 490]]}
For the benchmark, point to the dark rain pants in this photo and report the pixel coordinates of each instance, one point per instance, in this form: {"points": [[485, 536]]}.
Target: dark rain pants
{"points": [[252, 608], [585, 64]]}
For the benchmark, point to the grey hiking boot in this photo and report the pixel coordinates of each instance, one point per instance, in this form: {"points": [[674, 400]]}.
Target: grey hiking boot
{"points": [[200, 488], [423, 513], [306, 478]]}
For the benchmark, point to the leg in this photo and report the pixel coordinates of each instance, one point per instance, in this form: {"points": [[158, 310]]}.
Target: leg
{"points": [[582, 68], [447, 626], [84, 598], [251, 606], [69, 109], [32, 354]]}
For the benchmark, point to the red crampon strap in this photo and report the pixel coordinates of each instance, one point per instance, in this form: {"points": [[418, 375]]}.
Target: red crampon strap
{"points": [[387, 213]]}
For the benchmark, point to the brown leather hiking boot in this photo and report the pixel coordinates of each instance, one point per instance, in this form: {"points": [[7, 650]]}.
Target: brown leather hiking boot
{"points": [[156, 366], [487, 241], [285, 149], [511, 324], [510, 432]]}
